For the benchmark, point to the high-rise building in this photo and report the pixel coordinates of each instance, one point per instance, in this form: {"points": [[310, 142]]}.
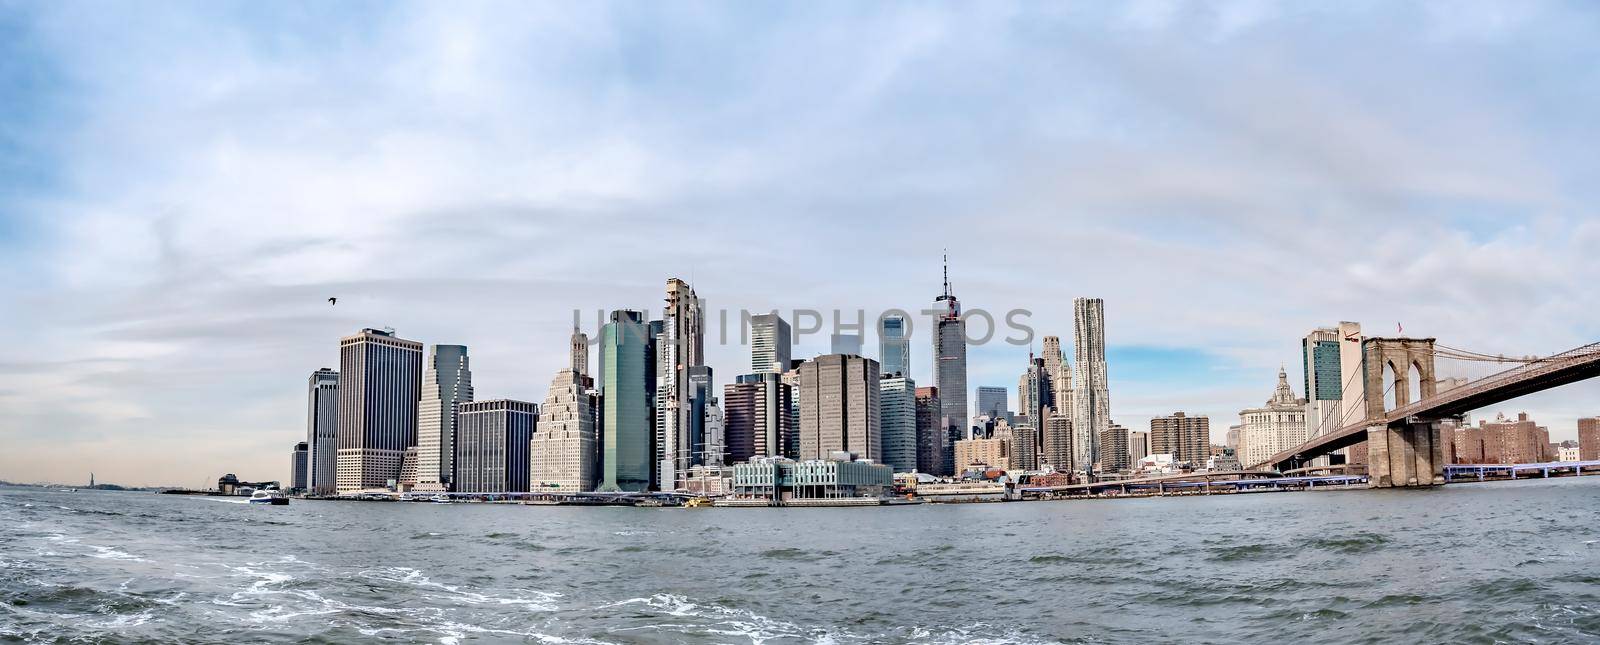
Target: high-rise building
{"points": [[845, 344], [1138, 445], [716, 433], [625, 357], [1055, 365], [1025, 442], [756, 414], [894, 345], [564, 454], [1091, 396], [446, 384], [322, 432], [1589, 439], [1034, 389], [1114, 452], [769, 344], [579, 361], [1324, 384], [931, 456], [1186, 438], [1055, 447], [992, 452], [993, 402], [494, 438], [839, 407], [1278, 425], [297, 466], [679, 346], [702, 399], [898, 398], [380, 382], [950, 359]]}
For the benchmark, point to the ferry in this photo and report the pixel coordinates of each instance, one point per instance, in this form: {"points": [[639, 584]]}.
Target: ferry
{"points": [[271, 497], [441, 498]]}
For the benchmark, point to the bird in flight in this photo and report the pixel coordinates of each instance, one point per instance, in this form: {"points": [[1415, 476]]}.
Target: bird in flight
{"points": [[333, 301]]}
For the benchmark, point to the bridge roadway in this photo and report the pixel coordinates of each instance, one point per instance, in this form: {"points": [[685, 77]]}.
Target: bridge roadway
{"points": [[1567, 367], [1237, 479]]}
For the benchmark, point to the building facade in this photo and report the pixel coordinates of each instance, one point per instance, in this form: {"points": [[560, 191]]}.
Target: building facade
{"points": [[297, 466], [756, 416], [1055, 449], [1091, 396], [898, 411], [1278, 425], [493, 443], [680, 347], [1503, 441], [769, 344], [932, 458], [950, 360], [564, 453], [446, 384], [1184, 437], [322, 432], [980, 454], [1114, 451], [579, 359], [840, 407], [1138, 445], [894, 345], [1589, 439], [994, 403], [625, 358], [380, 382]]}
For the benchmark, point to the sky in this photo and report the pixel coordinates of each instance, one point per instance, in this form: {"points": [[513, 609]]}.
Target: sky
{"points": [[184, 184]]}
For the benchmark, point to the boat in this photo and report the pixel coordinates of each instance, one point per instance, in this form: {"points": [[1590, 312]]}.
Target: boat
{"points": [[697, 502], [272, 497], [439, 499], [648, 503]]}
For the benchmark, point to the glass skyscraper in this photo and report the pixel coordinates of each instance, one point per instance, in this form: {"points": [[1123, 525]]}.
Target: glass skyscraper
{"points": [[625, 354], [894, 346]]}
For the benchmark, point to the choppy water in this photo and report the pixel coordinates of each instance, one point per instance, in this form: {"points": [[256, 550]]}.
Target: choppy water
{"points": [[1508, 562]]}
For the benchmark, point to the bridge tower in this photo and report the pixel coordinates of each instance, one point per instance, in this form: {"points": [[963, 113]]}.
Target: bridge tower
{"points": [[1408, 451]]}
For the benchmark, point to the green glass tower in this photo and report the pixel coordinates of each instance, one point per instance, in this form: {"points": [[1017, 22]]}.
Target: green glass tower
{"points": [[626, 360]]}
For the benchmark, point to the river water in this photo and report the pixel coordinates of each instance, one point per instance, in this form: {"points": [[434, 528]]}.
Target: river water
{"points": [[1496, 562]]}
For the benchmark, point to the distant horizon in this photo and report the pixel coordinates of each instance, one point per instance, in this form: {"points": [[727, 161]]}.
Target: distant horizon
{"points": [[182, 190]]}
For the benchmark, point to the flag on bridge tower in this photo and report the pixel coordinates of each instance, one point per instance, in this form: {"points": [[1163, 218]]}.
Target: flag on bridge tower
{"points": [[1399, 329]]}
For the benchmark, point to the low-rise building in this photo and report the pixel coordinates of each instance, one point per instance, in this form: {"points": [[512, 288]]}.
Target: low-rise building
{"points": [[782, 479]]}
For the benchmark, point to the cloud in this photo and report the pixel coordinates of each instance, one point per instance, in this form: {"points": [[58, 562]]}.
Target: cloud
{"points": [[182, 197]]}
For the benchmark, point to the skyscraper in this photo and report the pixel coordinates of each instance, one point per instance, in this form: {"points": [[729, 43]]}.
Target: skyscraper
{"points": [[894, 345], [756, 415], [494, 439], [1056, 441], [446, 384], [579, 361], [297, 466], [1091, 398], [626, 361], [564, 453], [840, 407], [930, 453], [950, 361], [380, 383], [1138, 446], [322, 432], [993, 402], [769, 344], [679, 346], [845, 344], [702, 399], [898, 425]]}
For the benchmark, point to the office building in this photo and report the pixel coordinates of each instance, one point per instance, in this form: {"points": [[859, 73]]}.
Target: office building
{"points": [[1034, 391], [1278, 425], [625, 358], [679, 347], [1186, 438], [1060, 376], [839, 407], [894, 345], [950, 359], [994, 403], [297, 466], [782, 480], [380, 382], [845, 344], [446, 384], [898, 401], [769, 344], [322, 432], [931, 450], [757, 416], [564, 454], [1091, 397], [493, 440]]}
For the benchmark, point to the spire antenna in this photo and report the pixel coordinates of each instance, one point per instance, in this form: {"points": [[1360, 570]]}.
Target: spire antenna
{"points": [[947, 272]]}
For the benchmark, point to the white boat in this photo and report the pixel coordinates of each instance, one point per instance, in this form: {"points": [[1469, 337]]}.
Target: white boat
{"points": [[439, 499], [272, 497]]}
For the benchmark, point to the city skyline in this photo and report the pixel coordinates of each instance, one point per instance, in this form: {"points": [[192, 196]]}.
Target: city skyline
{"points": [[179, 230]]}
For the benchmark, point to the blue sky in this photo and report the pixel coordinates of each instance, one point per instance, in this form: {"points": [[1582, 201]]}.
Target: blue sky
{"points": [[184, 185]]}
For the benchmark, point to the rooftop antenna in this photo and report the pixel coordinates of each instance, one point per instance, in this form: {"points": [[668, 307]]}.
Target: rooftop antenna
{"points": [[947, 273]]}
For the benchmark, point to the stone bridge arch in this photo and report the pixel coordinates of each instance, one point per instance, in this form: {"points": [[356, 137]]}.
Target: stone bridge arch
{"points": [[1404, 356]]}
